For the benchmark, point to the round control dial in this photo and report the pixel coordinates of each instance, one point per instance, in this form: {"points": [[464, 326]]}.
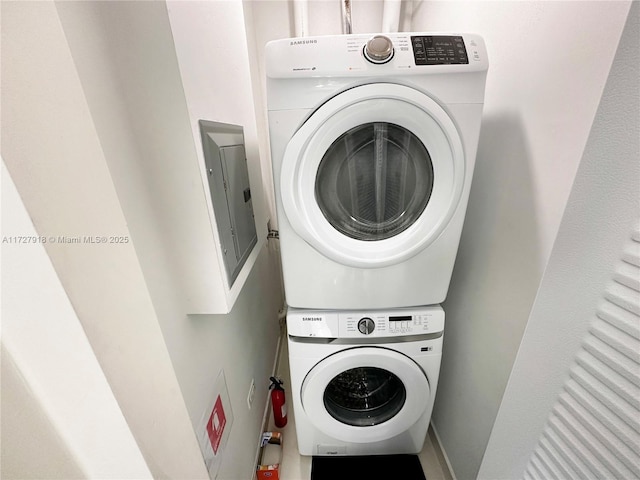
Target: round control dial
{"points": [[366, 326], [379, 49]]}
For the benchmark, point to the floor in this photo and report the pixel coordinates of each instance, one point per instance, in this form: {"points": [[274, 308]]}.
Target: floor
{"points": [[297, 467]]}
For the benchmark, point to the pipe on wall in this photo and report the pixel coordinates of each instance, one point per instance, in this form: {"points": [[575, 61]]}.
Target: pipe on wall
{"points": [[346, 16], [391, 16], [300, 18]]}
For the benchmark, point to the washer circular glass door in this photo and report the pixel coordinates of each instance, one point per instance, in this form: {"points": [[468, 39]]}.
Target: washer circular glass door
{"points": [[365, 394], [373, 176]]}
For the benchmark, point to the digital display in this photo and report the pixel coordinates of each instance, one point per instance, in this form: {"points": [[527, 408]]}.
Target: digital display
{"points": [[439, 50], [403, 318]]}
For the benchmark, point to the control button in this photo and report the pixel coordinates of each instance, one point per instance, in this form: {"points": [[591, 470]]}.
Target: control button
{"points": [[379, 49], [366, 326]]}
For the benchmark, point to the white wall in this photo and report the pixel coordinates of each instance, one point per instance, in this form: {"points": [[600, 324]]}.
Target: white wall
{"points": [[601, 211], [545, 79], [548, 65], [53, 153], [106, 101], [210, 46], [23, 420], [59, 416], [242, 343], [136, 46]]}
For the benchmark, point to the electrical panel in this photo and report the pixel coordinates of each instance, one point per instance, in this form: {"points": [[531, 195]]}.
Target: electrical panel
{"points": [[228, 176]]}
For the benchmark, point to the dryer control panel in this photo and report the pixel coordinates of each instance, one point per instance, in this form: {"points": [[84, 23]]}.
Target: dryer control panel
{"points": [[364, 55], [365, 324], [439, 50]]}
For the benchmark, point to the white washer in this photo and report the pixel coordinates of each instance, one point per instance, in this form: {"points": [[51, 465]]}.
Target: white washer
{"points": [[373, 155], [364, 382]]}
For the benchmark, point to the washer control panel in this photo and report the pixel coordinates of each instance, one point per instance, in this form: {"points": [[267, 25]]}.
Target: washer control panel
{"points": [[388, 324], [365, 324]]}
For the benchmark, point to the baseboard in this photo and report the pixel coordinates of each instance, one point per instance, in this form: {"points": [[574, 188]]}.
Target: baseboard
{"points": [[441, 453]]}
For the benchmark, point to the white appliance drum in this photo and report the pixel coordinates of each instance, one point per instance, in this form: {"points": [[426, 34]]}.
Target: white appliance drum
{"points": [[337, 401], [373, 176]]}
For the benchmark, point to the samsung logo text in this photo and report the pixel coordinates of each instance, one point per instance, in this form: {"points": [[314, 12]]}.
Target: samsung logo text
{"points": [[302, 42]]}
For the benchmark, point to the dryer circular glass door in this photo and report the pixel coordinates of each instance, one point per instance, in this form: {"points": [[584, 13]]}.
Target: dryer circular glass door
{"points": [[365, 394], [373, 175]]}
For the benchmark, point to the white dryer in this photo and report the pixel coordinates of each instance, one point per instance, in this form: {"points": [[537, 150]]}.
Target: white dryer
{"points": [[363, 382], [373, 143]]}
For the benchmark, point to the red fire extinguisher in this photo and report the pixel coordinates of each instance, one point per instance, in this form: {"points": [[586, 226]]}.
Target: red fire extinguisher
{"points": [[278, 402]]}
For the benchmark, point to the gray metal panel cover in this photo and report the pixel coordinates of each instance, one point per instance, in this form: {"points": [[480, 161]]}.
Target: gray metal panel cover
{"points": [[228, 176], [234, 164]]}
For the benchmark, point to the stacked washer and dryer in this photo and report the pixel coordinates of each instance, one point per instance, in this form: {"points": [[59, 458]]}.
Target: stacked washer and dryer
{"points": [[373, 142]]}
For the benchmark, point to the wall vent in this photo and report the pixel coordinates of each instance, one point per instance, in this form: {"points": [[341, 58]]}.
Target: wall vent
{"points": [[593, 430]]}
